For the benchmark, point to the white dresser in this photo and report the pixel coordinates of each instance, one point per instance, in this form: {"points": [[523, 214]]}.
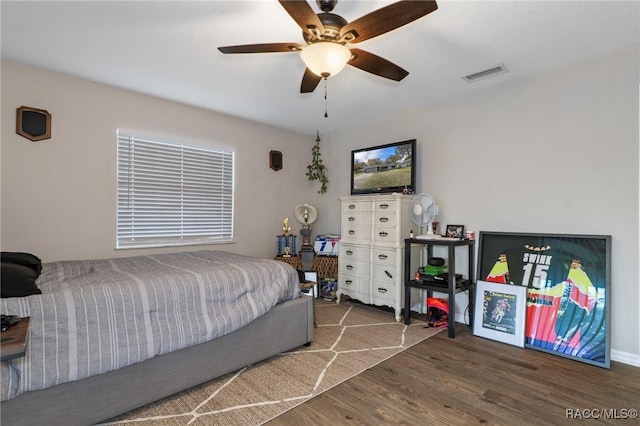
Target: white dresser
{"points": [[371, 251]]}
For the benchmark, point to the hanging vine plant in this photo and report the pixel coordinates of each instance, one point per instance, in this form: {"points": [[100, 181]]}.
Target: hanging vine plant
{"points": [[316, 170]]}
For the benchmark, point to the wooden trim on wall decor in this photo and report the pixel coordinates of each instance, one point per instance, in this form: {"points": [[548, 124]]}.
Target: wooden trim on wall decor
{"points": [[33, 123]]}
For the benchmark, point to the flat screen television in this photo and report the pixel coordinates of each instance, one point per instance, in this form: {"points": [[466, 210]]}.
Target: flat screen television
{"points": [[384, 168]]}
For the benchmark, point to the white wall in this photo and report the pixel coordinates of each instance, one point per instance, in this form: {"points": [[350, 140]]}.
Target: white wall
{"points": [[556, 153], [59, 195]]}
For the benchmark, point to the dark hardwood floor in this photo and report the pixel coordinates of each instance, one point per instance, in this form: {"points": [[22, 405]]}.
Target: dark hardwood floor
{"points": [[471, 380]]}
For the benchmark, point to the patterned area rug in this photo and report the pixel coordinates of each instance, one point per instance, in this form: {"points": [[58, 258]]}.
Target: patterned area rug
{"points": [[349, 339]]}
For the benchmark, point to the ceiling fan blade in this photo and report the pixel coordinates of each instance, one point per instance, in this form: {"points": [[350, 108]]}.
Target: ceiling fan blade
{"points": [[376, 65], [309, 81], [388, 18], [304, 16], [262, 48]]}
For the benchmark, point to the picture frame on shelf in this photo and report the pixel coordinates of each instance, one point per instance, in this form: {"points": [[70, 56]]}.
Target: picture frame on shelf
{"points": [[455, 231], [568, 282], [499, 312]]}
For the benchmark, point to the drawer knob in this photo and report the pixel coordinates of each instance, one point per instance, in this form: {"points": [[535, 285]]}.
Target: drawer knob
{"points": [[384, 219], [349, 267], [349, 252], [383, 233], [348, 282], [388, 274], [352, 206], [384, 206], [351, 219], [382, 256], [382, 290], [351, 232]]}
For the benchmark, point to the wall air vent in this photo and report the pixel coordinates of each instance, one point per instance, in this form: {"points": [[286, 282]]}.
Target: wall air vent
{"points": [[481, 75]]}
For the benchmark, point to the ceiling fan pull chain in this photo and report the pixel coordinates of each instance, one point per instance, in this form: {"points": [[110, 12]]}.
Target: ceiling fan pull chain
{"points": [[325, 98]]}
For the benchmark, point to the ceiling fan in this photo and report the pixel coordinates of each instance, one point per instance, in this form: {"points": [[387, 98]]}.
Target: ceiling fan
{"points": [[327, 34]]}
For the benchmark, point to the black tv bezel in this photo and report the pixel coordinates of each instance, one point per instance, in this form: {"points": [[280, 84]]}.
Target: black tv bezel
{"points": [[386, 190]]}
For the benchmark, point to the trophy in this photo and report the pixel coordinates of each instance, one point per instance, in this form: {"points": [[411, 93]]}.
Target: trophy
{"points": [[306, 215], [286, 242]]}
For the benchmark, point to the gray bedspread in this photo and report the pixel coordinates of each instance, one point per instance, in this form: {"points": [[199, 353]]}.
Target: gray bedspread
{"points": [[100, 315]]}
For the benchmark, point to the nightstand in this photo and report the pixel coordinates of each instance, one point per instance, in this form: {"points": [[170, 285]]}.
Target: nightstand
{"points": [[294, 261], [325, 266], [13, 342]]}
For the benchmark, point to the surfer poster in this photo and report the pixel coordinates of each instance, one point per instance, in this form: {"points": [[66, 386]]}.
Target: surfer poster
{"points": [[567, 278]]}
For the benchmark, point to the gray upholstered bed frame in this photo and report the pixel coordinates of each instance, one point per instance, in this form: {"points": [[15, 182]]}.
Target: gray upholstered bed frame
{"points": [[98, 398]]}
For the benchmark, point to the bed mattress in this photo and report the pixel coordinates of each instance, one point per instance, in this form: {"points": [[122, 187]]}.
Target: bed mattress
{"points": [[101, 315]]}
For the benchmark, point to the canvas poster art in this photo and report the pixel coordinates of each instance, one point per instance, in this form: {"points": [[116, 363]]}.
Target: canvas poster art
{"points": [[567, 278]]}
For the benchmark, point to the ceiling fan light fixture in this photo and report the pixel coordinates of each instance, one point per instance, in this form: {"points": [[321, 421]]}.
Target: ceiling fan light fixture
{"points": [[325, 57]]}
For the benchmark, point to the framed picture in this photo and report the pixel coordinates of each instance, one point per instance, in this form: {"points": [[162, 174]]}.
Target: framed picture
{"points": [[275, 160], [499, 312], [33, 123], [455, 231], [328, 288], [568, 282]]}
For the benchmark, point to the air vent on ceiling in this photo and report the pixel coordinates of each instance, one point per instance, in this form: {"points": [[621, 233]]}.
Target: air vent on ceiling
{"points": [[480, 75]]}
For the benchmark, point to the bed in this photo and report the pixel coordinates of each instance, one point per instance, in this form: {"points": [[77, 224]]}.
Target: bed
{"points": [[108, 336]]}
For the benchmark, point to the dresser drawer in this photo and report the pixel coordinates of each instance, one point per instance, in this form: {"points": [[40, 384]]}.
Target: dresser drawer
{"points": [[358, 269], [349, 253], [383, 294], [383, 290], [386, 205], [385, 218], [356, 218], [384, 256], [385, 234], [354, 287], [355, 206], [356, 234], [386, 274]]}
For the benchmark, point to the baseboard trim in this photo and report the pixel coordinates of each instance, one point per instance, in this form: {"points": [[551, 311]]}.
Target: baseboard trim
{"points": [[625, 358], [618, 356]]}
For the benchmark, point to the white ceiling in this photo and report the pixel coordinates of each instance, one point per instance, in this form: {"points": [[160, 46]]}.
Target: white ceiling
{"points": [[169, 50]]}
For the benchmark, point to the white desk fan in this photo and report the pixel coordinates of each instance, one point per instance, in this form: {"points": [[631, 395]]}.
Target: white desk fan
{"points": [[423, 211]]}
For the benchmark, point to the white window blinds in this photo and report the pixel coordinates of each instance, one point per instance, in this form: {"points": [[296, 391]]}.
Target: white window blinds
{"points": [[172, 194]]}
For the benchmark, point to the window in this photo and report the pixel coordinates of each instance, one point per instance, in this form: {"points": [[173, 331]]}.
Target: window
{"points": [[171, 194]]}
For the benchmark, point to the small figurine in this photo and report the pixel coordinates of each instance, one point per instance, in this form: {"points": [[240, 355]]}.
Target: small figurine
{"points": [[285, 226]]}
